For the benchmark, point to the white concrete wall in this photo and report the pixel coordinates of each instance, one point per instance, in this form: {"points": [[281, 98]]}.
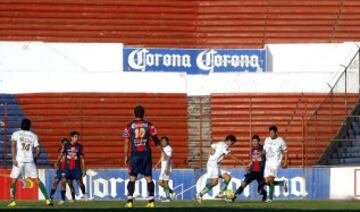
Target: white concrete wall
{"points": [[32, 67]]}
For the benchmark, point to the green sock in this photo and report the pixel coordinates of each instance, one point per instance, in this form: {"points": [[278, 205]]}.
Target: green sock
{"points": [[207, 188], [12, 191], [43, 189], [167, 191], [224, 185], [280, 183], [271, 191]]}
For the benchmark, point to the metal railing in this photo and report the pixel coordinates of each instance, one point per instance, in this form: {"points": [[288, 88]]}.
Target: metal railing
{"points": [[343, 96]]}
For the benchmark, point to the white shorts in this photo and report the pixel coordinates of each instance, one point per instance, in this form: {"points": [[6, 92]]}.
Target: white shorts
{"points": [[271, 170], [214, 171], [164, 176], [24, 169]]}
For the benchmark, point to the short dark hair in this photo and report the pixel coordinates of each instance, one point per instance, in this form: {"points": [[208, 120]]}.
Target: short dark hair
{"points": [[73, 133], [273, 128], [64, 140], [165, 138], [139, 111], [257, 137], [25, 124], [232, 138]]}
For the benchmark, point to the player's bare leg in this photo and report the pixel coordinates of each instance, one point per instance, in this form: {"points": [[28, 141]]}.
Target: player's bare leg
{"points": [[12, 192], [206, 189], [226, 180], [151, 190], [130, 189], [281, 183]]}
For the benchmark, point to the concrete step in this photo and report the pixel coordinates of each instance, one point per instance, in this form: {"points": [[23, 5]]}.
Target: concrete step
{"points": [[346, 161], [345, 155], [354, 149]]}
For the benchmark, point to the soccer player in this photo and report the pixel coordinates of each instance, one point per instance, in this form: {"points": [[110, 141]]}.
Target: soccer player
{"points": [[137, 134], [217, 153], [255, 170], [74, 163], [23, 142], [166, 167], [60, 173], [274, 149]]}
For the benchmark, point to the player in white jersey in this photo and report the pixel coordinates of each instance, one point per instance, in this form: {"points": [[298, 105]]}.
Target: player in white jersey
{"points": [[217, 153], [23, 142], [166, 167], [274, 149]]}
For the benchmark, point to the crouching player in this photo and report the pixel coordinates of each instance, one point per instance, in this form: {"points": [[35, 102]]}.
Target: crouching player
{"points": [[255, 170], [217, 153], [166, 167]]}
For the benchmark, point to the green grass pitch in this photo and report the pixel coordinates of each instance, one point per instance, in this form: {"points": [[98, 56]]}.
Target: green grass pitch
{"points": [[280, 205]]}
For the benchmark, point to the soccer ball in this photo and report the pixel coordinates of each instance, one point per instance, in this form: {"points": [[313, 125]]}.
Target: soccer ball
{"points": [[229, 194]]}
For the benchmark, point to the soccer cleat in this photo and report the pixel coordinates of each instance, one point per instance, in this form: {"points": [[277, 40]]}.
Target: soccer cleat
{"points": [[129, 205], [166, 200], [220, 195], [71, 201], [268, 201], [232, 199], [285, 186], [229, 200], [85, 197], [173, 196], [12, 204], [150, 205], [49, 202], [61, 202], [199, 198], [264, 197]]}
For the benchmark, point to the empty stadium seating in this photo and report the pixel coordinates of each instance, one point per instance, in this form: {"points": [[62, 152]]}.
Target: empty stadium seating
{"points": [[203, 24], [298, 117], [308, 122], [101, 118]]}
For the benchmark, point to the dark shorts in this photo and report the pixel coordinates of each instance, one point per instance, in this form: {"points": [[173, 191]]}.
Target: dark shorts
{"points": [[73, 174], [251, 176], [140, 164], [60, 173]]}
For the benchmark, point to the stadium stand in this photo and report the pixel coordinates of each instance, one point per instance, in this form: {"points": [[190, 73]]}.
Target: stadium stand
{"points": [[344, 150], [158, 23], [307, 137], [100, 118], [188, 24]]}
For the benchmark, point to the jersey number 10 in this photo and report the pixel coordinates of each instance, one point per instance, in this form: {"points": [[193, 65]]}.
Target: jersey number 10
{"points": [[139, 133]]}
